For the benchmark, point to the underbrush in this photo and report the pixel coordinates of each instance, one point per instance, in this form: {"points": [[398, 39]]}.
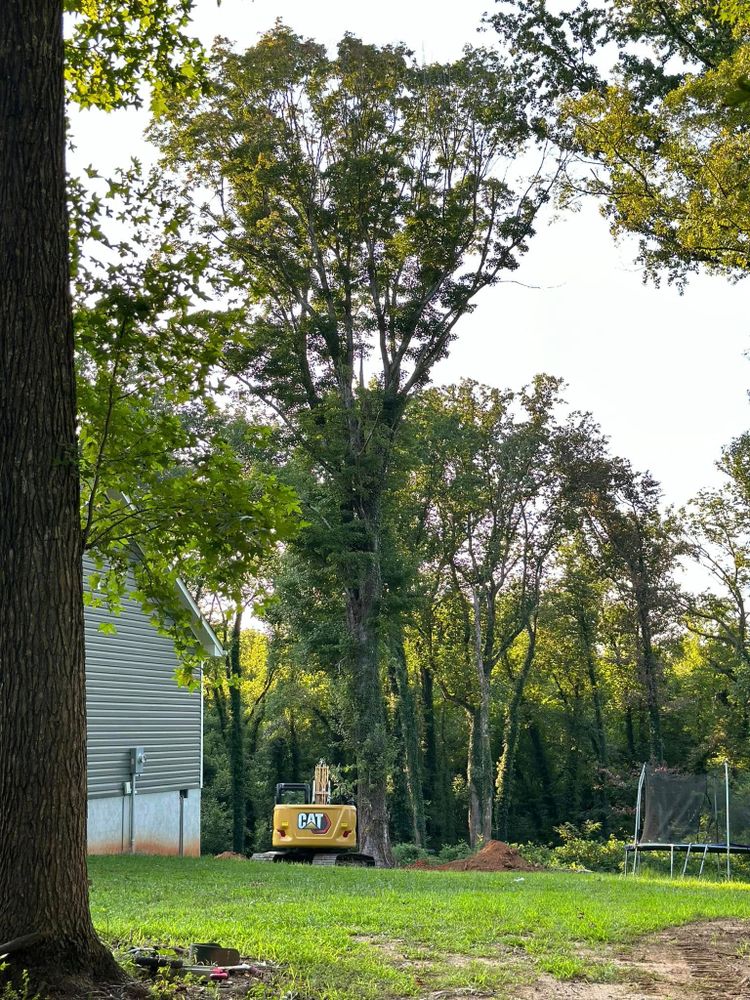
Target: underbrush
{"points": [[582, 848], [20, 991], [407, 854]]}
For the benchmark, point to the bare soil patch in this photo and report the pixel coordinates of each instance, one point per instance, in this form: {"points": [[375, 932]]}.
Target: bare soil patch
{"points": [[495, 856], [703, 961]]}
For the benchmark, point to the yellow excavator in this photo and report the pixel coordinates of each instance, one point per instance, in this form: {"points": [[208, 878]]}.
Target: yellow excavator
{"points": [[314, 830]]}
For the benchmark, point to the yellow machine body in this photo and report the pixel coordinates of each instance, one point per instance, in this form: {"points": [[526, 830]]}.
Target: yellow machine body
{"points": [[321, 827]]}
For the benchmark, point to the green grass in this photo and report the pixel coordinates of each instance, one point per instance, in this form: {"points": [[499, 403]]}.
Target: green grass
{"points": [[341, 934]]}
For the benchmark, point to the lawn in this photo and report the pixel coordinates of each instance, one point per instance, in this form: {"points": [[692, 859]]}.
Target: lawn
{"points": [[341, 934]]}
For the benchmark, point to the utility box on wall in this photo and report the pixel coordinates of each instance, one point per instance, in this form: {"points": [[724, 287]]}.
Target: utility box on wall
{"points": [[137, 760]]}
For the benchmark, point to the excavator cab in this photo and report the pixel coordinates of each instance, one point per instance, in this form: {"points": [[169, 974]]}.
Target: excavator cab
{"points": [[293, 793]]}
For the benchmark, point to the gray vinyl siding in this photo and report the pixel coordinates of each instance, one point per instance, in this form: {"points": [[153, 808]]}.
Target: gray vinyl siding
{"points": [[132, 699]]}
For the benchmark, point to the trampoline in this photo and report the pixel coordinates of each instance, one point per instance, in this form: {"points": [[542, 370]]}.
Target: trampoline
{"points": [[695, 815]]}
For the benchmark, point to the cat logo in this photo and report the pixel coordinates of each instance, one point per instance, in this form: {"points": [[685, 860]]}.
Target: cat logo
{"points": [[313, 822]]}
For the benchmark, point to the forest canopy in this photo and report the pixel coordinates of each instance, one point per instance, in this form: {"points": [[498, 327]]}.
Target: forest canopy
{"points": [[483, 622]]}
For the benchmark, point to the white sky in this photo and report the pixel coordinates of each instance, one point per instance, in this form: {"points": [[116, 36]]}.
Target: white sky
{"points": [[664, 374]]}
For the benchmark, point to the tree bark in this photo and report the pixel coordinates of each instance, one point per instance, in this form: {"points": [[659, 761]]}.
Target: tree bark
{"points": [[430, 761], [43, 881], [407, 710], [370, 729], [649, 669], [237, 738], [599, 736], [511, 728], [251, 748], [295, 770], [448, 827], [362, 479], [479, 769], [399, 806], [479, 776]]}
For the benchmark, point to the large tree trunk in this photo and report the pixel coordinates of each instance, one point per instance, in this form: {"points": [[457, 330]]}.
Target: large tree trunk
{"points": [[479, 775], [251, 748], [479, 770], [599, 736], [649, 669], [399, 806], [511, 727], [363, 591], [237, 738], [407, 710], [43, 882], [430, 761], [448, 828], [370, 729]]}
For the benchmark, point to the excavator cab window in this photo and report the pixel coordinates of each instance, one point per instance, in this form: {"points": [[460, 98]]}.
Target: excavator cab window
{"points": [[293, 794]]}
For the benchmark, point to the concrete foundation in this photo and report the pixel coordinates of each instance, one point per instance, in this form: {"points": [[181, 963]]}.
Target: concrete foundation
{"points": [[147, 823]]}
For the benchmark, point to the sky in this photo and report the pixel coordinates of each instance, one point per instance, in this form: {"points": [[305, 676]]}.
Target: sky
{"points": [[664, 374]]}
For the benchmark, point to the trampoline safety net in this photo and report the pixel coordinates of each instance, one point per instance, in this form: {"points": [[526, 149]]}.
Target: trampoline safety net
{"points": [[692, 809], [696, 814]]}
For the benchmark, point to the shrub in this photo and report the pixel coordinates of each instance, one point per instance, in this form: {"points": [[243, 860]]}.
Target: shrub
{"points": [[579, 850], [407, 854], [216, 825], [537, 854], [454, 852]]}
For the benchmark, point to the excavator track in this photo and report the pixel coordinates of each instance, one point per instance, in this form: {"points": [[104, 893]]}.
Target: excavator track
{"points": [[325, 859], [343, 860]]}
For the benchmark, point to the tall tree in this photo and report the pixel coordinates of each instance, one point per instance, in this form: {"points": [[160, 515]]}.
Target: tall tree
{"points": [[636, 548], [718, 529], [359, 204], [160, 466], [493, 523], [664, 127], [238, 688], [43, 886], [570, 665]]}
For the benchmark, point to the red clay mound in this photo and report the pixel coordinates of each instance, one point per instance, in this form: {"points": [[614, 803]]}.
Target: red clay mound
{"points": [[495, 856]]}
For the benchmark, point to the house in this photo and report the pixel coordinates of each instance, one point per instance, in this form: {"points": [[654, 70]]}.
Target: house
{"points": [[145, 733]]}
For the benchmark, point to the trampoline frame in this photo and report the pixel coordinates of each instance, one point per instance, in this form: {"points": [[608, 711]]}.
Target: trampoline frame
{"points": [[703, 848]]}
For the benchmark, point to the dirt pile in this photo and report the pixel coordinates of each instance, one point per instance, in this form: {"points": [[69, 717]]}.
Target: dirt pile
{"points": [[230, 856], [495, 856]]}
